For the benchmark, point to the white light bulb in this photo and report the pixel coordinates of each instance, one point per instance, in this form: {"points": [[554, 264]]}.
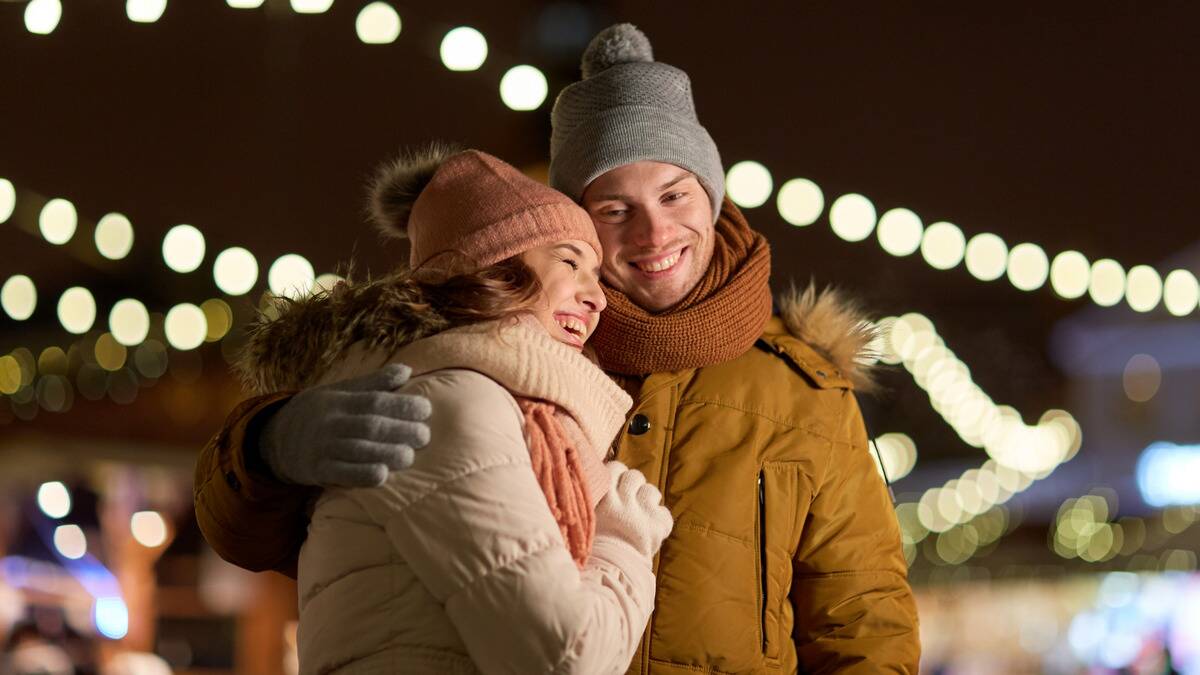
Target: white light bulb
{"points": [[464, 49], [523, 88]]}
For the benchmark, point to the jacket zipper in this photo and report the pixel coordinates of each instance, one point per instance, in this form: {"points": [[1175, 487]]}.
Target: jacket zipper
{"points": [[762, 551]]}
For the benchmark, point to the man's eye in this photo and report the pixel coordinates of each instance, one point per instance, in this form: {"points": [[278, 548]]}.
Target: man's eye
{"points": [[674, 195], [615, 213]]}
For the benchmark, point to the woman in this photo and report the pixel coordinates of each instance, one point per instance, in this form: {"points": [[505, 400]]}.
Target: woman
{"points": [[509, 546]]}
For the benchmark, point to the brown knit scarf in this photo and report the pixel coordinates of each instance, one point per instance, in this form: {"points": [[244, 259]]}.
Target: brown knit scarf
{"points": [[719, 320], [561, 475]]}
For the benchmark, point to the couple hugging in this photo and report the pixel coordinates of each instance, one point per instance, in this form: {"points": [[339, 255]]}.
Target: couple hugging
{"points": [[573, 435]]}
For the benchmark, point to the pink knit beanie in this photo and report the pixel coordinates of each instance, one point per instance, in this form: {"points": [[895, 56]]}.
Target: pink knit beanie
{"points": [[466, 210]]}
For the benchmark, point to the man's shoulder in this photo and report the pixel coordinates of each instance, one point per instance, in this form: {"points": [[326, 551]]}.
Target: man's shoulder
{"points": [[825, 336]]}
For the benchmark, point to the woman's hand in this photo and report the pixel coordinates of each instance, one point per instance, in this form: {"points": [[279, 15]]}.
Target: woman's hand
{"points": [[632, 511]]}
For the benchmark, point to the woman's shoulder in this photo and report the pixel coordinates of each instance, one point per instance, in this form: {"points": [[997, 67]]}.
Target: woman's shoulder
{"points": [[458, 393]]}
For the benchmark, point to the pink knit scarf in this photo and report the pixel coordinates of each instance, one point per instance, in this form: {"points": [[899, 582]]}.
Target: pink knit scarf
{"points": [[561, 475]]}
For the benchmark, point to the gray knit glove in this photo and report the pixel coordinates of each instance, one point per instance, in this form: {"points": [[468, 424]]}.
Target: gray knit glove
{"points": [[632, 511], [349, 433]]}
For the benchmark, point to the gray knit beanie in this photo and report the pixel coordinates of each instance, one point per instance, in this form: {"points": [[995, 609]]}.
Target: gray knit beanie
{"points": [[628, 108]]}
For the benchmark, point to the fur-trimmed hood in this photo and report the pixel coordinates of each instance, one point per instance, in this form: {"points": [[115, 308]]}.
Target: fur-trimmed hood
{"points": [[836, 327], [294, 343]]}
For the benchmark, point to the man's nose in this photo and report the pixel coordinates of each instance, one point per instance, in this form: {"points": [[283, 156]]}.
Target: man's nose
{"points": [[652, 229]]}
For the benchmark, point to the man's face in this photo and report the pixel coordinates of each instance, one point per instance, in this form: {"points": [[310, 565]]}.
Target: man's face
{"points": [[656, 227]]}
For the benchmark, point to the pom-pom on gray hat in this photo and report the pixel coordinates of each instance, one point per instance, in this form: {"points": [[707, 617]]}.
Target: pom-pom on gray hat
{"points": [[629, 108]]}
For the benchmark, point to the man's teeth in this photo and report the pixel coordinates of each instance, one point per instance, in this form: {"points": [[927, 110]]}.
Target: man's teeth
{"points": [[664, 264], [572, 325]]}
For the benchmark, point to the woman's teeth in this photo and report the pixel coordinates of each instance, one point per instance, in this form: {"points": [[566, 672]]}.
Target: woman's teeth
{"points": [[660, 265], [572, 325]]}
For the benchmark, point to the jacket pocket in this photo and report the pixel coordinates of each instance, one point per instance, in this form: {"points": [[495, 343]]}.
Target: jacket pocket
{"points": [[783, 501]]}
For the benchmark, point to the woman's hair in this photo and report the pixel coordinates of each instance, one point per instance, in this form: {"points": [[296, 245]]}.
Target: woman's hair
{"points": [[498, 291]]}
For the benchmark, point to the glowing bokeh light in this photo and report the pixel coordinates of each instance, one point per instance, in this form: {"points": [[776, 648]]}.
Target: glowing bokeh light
{"points": [[183, 248], [114, 236], [852, 217], [185, 326], [1107, 284], [58, 221], [900, 232], [1181, 292], [463, 49], [986, 256], [145, 11], [111, 617], [291, 275], [943, 245], [1028, 267], [8, 199], [523, 88], [1141, 378], [148, 528], [54, 499], [377, 24], [18, 297], [1166, 474], [129, 322], [1143, 288], [311, 6], [748, 184], [235, 271], [70, 541], [1070, 274], [77, 310], [42, 16]]}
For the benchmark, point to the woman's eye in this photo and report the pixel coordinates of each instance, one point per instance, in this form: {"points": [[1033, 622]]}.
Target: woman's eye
{"points": [[574, 265]]}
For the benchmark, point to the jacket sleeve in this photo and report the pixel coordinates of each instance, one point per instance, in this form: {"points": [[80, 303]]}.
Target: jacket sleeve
{"points": [[854, 610], [471, 520], [247, 516]]}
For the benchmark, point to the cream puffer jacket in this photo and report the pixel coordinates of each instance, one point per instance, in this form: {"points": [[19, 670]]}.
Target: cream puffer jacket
{"points": [[456, 565]]}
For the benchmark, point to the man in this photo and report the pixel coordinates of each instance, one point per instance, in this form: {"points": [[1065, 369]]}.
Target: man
{"points": [[786, 552]]}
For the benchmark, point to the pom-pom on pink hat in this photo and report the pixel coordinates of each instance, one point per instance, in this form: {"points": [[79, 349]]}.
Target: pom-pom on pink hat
{"points": [[465, 210]]}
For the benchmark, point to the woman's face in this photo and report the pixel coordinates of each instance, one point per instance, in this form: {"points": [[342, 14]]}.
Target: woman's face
{"points": [[569, 271]]}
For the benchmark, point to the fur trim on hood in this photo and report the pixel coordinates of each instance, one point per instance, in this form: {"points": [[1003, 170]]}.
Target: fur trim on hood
{"points": [[837, 328], [295, 342]]}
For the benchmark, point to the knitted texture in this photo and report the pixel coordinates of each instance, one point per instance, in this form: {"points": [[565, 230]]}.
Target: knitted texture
{"points": [[560, 474], [628, 109], [718, 321], [473, 211]]}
